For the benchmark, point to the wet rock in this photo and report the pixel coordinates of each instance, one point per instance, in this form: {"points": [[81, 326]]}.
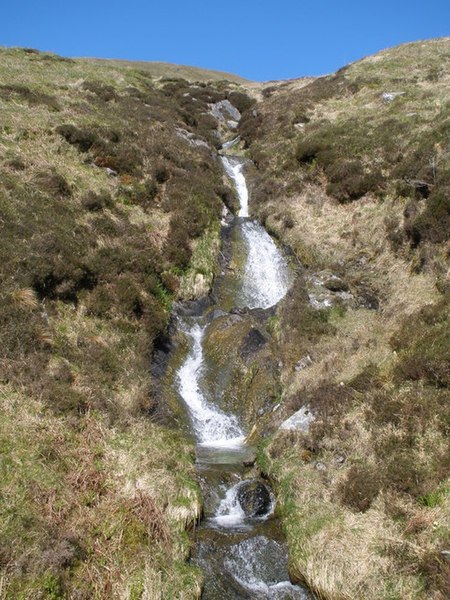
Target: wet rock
{"points": [[190, 138], [215, 314], [161, 354], [224, 111], [193, 308], [254, 498], [253, 342]]}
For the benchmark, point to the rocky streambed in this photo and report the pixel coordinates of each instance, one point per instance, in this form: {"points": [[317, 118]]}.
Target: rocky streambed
{"points": [[239, 544]]}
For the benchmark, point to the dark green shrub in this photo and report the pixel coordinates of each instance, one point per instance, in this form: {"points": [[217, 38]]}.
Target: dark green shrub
{"points": [[123, 158], [206, 94], [102, 91], [228, 197], [82, 138], [433, 224], [288, 222], [63, 399], [308, 151], [360, 487], [428, 358], [16, 164], [178, 248], [31, 96], [435, 567], [97, 201], [269, 91], [241, 101], [347, 180], [249, 127], [53, 183], [161, 172]]}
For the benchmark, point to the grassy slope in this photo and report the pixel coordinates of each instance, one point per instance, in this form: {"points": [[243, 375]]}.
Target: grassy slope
{"points": [[364, 495], [96, 496], [162, 69]]}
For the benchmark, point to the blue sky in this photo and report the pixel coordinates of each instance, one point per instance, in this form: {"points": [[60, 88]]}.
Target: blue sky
{"points": [[260, 40]]}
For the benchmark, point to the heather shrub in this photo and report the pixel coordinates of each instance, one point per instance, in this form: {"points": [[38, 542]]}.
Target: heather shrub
{"points": [[82, 138], [347, 180], [433, 224], [241, 101], [102, 91], [97, 201], [249, 126], [360, 487], [33, 97], [53, 183], [178, 249]]}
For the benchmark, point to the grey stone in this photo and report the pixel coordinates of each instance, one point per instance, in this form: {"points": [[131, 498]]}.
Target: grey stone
{"points": [[304, 362], [299, 421], [254, 498]]}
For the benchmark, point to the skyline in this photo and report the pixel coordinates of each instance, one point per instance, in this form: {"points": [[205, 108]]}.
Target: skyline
{"points": [[259, 41]]}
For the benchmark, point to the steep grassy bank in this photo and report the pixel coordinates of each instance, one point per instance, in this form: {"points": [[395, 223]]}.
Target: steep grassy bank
{"points": [[110, 198], [352, 173]]}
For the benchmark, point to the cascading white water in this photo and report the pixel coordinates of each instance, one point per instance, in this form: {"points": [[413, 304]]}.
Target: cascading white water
{"points": [[235, 169], [230, 514], [212, 426], [266, 276], [256, 565]]}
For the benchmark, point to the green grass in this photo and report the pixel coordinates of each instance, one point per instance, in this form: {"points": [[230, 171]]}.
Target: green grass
{"points": [[95, 496]]}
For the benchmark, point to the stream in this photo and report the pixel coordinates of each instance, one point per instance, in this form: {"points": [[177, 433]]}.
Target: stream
{"points": [[239, 543]]}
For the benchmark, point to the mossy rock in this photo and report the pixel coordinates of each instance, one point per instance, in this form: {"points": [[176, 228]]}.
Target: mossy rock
{"points": [[239, 349]]}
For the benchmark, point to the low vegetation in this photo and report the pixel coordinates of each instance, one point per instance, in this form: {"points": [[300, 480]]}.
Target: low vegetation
{"points": [[110, 187], [352, 174]]}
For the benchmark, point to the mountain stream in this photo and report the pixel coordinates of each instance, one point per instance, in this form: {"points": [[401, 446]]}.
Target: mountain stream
{"points": [[239, 543]]}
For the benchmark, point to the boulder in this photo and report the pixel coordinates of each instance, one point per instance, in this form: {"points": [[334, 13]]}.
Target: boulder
{"points": [[254, 498]]}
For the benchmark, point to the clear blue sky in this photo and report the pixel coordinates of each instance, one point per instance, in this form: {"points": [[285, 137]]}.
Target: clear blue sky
{"points": [[260, 40]]}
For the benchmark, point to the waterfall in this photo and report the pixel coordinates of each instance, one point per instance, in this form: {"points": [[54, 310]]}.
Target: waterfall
{"points": [[256, 566]]}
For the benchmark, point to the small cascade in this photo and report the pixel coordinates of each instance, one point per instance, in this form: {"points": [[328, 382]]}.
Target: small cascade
{"points": [[239, 546], [229, 512], [266, 275], [235, 169], [244, 503], [212, 427]]}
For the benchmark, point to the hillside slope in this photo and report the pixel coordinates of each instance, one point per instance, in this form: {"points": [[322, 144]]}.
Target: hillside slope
{"points": [[353, 174], [166, 70], [111, 195]]}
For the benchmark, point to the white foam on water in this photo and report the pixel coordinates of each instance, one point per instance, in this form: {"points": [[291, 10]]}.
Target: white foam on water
{"points": [[235, 169], [266, 276], [211, 425], [257, 564], [229, 512]]}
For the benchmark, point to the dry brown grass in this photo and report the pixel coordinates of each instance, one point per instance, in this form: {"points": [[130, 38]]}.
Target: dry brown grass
{"points": [[368, 522]]}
